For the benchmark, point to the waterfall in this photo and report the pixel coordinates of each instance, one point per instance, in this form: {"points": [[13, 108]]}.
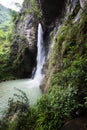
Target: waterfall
{"points": [[40, 54], [38, 76], [29, 86]]}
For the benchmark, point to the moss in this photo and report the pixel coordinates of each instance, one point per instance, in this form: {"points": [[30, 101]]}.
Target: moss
{"points": [[32, 9], [68, 61], [67, 96]]}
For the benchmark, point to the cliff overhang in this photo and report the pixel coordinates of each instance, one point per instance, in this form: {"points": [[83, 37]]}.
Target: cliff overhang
{"points": [[51, 10]]}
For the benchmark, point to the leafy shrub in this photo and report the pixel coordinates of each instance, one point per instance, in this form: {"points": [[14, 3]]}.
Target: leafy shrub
{"points": [[69, 60], [67, 97], [19, 116], [4, 56], [55, 108]]}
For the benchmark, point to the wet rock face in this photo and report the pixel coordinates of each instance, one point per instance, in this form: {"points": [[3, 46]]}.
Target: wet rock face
{"points": [[83, 3], [76, 124], [51, 9], [24, 70], [28, 29], [22, 58], [27, 25], [71, 5], [24, 47]]}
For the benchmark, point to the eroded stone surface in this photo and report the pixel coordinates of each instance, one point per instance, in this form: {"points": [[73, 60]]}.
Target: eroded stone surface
{"points": [[76, 124], [83, 3]]}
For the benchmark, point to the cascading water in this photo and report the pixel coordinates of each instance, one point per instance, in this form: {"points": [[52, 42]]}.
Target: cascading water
{"points": [[38, 76], [29, 86]]}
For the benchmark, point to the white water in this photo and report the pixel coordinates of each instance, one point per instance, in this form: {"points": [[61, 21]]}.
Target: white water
{"points": [[40, 58], [29, 86], [38, 76]]}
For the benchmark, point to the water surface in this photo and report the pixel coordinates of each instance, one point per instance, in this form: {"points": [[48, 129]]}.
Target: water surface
{"points": [[8, 89]]}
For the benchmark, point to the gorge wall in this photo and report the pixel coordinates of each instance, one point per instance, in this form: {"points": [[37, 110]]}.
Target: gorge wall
{"points": [[54, 16], [24, 46], [64, 43], [64, 86]]}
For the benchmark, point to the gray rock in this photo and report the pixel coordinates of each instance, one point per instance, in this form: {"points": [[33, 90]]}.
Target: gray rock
{"points": [[24, 47], [28, 29], [83, 3]]}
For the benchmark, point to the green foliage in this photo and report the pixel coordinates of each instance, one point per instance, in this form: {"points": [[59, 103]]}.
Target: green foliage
{"points": [[69, 60], [21, 115], [33, 8], [20, 108], [55, 108], [50, 113], [5, 18], [14, 15], [4, 55], [7, 52], [67, 97], [5, 36]]}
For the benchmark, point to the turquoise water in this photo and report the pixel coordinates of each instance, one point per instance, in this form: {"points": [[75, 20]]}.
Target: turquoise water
{"points": [[8, 89]]}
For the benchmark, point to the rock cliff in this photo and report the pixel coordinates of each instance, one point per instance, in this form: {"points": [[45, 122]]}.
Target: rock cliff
{"points": [[52, 15], [71, 15], [24, 46], [65, 82]]}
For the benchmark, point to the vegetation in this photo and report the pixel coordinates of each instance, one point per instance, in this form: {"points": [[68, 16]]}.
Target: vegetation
{"points": [[5, 18], [4, 56], [68, 61], [47, 114], [7, 38], [67, 96], [32, 9], [35, 9], [5, 43], [11, 58]]}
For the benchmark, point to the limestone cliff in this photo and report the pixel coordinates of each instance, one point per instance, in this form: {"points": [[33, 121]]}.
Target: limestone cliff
{"points": [[66, 32], [24, 46], [53, 15], [65, 84]]}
